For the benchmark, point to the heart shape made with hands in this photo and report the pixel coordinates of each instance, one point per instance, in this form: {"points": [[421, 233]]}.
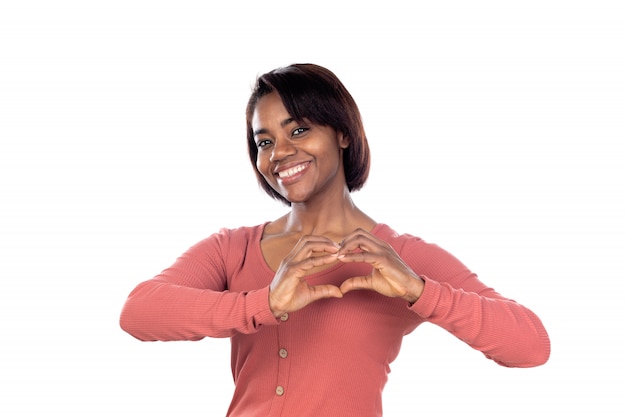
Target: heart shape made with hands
{"points": [[389, 274]]}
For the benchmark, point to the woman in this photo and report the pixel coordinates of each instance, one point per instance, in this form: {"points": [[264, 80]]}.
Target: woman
{"points": [[304, 342]]}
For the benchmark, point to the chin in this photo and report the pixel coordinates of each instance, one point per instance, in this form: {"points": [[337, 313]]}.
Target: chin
{"points": [[295, 199]]}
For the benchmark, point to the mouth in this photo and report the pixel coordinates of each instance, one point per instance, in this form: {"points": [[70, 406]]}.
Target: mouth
{"points": [[292, 171]]}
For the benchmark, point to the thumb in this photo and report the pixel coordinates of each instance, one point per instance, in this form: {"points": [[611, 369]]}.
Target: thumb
{"points": [[319, 292], [356, 283]]}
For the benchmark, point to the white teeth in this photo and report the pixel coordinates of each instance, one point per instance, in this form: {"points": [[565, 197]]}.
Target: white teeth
{"points": [[291, 171]]}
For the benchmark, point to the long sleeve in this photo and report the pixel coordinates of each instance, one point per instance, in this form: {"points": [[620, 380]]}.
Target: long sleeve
{"points": [[456, 300], [190, 300]]}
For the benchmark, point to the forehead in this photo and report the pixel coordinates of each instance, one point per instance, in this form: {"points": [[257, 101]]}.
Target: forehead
{"points": [[269, 110]]}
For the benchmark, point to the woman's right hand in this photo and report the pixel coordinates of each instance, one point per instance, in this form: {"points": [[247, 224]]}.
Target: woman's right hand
{"points": [[289, 291]]}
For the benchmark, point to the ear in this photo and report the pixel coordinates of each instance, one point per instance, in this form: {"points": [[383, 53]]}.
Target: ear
{"points": [[342, 140]]}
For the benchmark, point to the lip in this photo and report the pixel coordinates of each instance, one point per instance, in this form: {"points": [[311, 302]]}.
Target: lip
{"points": [[298, 168]]}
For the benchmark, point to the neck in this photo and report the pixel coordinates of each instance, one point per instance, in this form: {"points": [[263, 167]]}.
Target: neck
{"points": [[338, 216]]}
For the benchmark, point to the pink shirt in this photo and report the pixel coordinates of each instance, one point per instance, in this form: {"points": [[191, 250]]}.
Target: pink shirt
{"points": [[332, 357]]}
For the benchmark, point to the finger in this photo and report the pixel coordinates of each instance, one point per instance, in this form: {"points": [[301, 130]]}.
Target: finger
{"points": [[307, 264], [313, 251], [367, 257], [315, 238], [319, 292], [356, 283], [361, 241], [313, 245]]}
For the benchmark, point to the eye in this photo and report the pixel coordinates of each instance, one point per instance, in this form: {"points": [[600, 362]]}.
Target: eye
{"points": [[263, 143], [299, 131]]}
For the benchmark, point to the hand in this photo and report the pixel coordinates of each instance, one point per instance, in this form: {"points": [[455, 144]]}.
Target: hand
{"points": [[390, 276], [289, 291]]}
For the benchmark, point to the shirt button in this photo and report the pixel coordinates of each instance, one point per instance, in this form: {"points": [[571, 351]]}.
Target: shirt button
{"points": [[282, 353], [284, 317], [280, 390]]}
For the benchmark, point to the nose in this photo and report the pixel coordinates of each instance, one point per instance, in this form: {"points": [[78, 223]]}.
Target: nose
{"points": [[282, 148]]}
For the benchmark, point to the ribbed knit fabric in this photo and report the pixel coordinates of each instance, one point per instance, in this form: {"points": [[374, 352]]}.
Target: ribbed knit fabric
{"points": [[332, 357]]}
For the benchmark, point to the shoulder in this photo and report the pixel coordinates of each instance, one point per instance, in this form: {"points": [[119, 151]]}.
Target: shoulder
{"points": [[244, 232], [227, 240], [236, 237], [396, 240], [227, 248]]}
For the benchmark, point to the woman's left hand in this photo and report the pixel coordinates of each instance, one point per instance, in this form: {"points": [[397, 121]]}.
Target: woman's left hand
{"points": [[390, 276]]}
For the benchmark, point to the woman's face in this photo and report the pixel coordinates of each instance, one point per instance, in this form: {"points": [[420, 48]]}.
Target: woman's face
{"points": [[299, 159]]}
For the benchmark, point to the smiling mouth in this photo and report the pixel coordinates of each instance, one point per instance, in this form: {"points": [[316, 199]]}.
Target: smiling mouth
{"points": [[292, 171]]}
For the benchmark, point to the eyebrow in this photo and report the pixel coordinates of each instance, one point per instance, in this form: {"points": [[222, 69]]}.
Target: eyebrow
{"points": [[282, 124]]}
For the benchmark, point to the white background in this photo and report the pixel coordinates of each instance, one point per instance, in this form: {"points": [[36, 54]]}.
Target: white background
{"points": [[497, 131]]}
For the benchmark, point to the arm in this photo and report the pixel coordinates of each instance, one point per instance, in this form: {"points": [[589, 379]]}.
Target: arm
{"points": [[503, 330], [456, 300], [441, 290], [190, 300]]}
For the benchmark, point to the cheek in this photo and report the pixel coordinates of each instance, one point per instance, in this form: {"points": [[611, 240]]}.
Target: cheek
{"points": [[261, 165], [259, 160]]}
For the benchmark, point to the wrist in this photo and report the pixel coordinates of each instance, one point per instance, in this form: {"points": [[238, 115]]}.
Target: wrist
{"points": [[415, 291], [272, 305]]}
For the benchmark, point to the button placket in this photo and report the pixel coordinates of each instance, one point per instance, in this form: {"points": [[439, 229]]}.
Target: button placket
{"points": [[284, 337]]}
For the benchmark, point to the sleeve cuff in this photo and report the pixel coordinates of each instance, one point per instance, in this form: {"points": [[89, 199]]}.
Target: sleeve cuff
{"points": [[259, 308], [426, 304]]}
